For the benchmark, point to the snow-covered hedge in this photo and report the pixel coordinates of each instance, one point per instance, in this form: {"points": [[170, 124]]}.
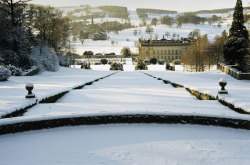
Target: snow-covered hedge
{"points": [[4, 74], [15, 71], [45, 58]]}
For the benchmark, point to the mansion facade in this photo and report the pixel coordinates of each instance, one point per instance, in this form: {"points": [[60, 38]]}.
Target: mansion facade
{"points": [[167, 50]]}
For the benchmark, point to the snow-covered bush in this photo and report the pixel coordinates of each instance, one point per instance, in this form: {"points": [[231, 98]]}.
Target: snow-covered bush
{"points": [[4, 74], [15, 71], [45, 58], [161, 62], [85, 65], [116, 66], [141, 66]]}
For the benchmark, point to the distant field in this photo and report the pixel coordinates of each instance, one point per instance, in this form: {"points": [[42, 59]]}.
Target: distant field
{"points": [[126, 38]]}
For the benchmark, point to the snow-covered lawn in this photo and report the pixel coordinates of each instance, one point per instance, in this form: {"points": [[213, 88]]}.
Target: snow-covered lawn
{"points": [[13, 92], [131, 93], [207, 82], [127, 145]]}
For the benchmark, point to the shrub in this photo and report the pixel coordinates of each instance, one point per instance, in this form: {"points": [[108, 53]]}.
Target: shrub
{"points": [[161, 62], [147, 62], [168, 66], [104, 61], [173, 68], [85, 66], [116, 66], [4, 74], [45, 58], [141, 66], [153, 61], [15, 71]]}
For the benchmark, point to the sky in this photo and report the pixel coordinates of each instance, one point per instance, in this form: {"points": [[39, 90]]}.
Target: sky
{"points": [[177, 5]]}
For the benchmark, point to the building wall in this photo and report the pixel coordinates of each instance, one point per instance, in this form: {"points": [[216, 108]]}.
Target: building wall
{"points": [[166, 53]]}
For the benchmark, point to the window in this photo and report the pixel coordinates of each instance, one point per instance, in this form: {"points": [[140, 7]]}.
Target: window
{"points": [[176, 52], [172, 51], [158, 52], [172, 57], [168, 51], [165, 52], [154, 52], [161, 51], [176, 57]]}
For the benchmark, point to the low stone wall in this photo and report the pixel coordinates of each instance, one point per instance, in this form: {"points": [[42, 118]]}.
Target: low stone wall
{"points": [[228, 69]]}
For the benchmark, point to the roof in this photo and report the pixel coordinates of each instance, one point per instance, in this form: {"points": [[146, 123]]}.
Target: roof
{"points": [[165, 42]]}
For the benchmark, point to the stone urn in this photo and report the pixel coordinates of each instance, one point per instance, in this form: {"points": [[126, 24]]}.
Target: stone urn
{"points": [[222, 83], [29, 87]]}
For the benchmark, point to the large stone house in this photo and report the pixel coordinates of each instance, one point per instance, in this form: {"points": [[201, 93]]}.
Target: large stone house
{"points": [[167, 50]]}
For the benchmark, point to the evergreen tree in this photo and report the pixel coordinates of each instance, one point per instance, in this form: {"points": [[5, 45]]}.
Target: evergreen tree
{"points": [[14, 37], [236, 45]]}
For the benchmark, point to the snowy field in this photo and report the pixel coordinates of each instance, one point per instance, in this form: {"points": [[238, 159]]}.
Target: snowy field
{"points": [[13, 92], [127, 145], [207, 82]]}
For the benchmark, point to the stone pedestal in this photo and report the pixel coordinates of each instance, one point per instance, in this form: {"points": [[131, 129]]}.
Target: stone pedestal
{"points": [[246, 64]]}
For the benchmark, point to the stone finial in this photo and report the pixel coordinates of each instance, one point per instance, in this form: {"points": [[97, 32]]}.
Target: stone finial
{"points": [[222, 83], [29, 87]]}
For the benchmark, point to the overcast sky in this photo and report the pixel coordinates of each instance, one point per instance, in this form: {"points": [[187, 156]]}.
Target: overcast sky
{"points": [[179, 5]]}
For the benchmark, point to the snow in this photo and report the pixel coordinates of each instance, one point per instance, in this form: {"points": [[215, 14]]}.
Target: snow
{"points": [[208, 82], [131, 93], [222, 80], [128, 144], [29, 85], [13, 92]]}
